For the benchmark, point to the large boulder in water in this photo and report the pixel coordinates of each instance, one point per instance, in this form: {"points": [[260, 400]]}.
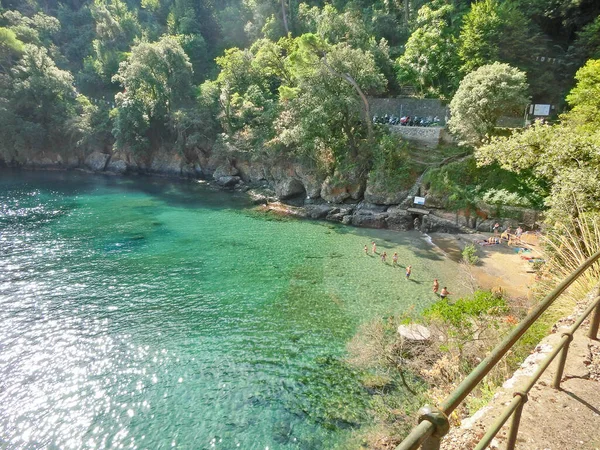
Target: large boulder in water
{"points": [[96, 161]]}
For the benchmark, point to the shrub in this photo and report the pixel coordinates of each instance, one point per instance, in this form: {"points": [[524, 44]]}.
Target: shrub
{"points": [[469, 255]]}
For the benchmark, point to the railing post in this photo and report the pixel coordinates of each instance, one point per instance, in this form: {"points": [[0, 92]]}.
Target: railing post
{"points": [[516, 420], [593, 333], [562, 360], [440, 423]]}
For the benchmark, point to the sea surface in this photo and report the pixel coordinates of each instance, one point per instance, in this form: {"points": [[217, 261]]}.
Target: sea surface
{"points": [[150, 313]]}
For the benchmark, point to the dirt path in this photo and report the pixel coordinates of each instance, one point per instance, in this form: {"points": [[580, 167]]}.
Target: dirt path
{"points": [[499, 266]]}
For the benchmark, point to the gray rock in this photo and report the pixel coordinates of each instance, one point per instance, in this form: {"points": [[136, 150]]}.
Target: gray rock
{"points": [[166, 163], [375, 193], [347, 220], [399, 221], [288, 187], [250, 172], [333, 194], [225, 170], [228, 181], [311, 180], [96, 161], [369, 208], [338, 217], [318, 211], [370, 220], [116, 166]]}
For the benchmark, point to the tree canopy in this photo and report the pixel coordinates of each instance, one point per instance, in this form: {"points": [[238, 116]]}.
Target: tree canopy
{"points": [[566, 155], [483, 97]]}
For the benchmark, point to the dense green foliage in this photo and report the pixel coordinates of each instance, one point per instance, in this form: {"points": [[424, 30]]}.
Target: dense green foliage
{"points": [[264, 79], [564, 155], [483, 96]]}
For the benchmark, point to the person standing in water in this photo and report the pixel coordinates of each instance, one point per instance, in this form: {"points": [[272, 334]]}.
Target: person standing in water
{"points": [[408, 271], [395, 258], [436, 286], [366, 250], [374, 247], [383, 256], [444, 292]]}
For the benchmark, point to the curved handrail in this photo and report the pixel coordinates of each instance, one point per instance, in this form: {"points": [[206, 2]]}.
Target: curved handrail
{"points": [[426, 430]]}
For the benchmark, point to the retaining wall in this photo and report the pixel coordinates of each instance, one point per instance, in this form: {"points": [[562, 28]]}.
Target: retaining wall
{"points": [[430, 136]]}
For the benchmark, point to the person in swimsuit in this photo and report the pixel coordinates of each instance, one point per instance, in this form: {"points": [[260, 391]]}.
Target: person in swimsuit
{"points": [[444, 292], [395, 258], [374, 247], [383, 256], [408, 272], [366, 250], [436, 286]]}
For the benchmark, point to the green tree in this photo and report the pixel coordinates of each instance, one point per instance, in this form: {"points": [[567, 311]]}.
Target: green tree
{"points": [[157, 81], [494, 31], [116, 28], [430, 60], [587, 44], [328, 108], [10, 49], [566, 155], [483, 97], [37, 101]]}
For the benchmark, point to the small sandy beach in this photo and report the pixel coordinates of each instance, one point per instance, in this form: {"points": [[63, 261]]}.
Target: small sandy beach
{"points": [[499, 266]]}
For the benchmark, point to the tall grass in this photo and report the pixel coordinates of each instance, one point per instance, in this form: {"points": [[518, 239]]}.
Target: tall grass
{"points": [[568, 245]]}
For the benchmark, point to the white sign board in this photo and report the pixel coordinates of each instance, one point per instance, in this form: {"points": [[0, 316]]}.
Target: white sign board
{"points": [[541, 110], [419, 200]]}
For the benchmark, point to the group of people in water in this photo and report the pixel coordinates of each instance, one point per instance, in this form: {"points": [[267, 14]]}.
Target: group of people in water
{"points": [[436, 285]]}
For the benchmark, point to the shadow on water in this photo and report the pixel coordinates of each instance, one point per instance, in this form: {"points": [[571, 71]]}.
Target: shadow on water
{"points": [[174, 192]]}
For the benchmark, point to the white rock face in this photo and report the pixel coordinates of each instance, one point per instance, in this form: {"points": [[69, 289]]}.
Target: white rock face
{"points": [[414, 332]]}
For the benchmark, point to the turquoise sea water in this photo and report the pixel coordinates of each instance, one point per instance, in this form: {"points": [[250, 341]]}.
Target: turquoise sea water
{"points": [[147, 313]]}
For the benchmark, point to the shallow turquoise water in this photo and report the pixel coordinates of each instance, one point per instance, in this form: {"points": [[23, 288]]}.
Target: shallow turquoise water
{"points": [[148, 313]]}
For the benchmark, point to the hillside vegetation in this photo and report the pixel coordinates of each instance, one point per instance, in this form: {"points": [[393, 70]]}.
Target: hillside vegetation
{"points": [[262, 80]]}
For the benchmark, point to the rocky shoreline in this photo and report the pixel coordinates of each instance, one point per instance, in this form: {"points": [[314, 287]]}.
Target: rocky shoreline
{"points": [[288, 187]]}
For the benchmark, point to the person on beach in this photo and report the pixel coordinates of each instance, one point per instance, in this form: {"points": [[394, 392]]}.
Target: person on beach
{"points": [[383, 256], [366, 250], [436, 286], [496, 228], [408, 271], [395, 258], [374, 247], [444, 292]]}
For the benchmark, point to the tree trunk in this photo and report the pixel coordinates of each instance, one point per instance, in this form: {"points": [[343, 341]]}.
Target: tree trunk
{"points": [[284, 15], [346, 77], [406, 11]]}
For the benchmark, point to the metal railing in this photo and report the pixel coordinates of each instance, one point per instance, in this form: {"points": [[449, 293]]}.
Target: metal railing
{"points": [[433, 422]]}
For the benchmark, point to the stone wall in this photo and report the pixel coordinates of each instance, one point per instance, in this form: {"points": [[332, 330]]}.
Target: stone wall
{"points": [[429, 136], [422, 107]]}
